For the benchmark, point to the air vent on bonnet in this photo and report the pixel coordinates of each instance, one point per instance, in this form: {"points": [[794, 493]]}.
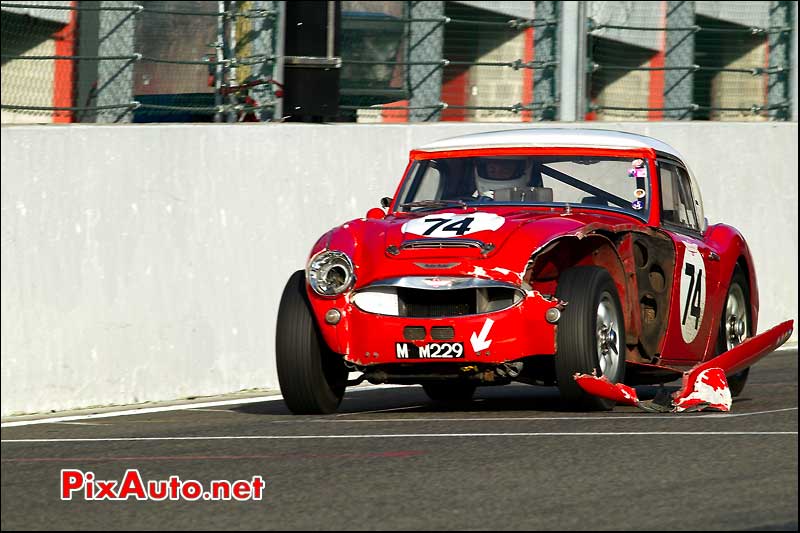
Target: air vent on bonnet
{"points": [[432, 244]]}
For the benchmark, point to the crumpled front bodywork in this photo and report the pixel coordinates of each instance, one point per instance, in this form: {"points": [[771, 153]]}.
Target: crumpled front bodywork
{"points": [[376, 245], [529, 248], [510, 255]]}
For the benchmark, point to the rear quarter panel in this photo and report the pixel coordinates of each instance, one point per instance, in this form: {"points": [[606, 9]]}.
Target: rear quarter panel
{"points": [[731, 249]]}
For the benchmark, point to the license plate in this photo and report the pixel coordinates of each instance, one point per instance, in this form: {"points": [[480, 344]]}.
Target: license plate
{"points": [[433, 350]]}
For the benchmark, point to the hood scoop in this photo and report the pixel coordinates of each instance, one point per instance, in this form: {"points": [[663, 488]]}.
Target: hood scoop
{"points": [[440, 244]]}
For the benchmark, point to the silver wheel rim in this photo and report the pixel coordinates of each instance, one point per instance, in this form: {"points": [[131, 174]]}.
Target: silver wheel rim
{"points": [[609, 340], [735, 317]]}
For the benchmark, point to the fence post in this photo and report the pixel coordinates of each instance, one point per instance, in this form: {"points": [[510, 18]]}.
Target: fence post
{"points": [[264, 35], [679, 52], [88, 35], [545, 86], [115, 76], [780, 16], [426, 42], [572, 36], [219, 55], [231, 37], [793, 75]]}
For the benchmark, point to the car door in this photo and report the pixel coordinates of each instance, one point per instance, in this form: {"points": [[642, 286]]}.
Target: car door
{"points": [[696, 267]]}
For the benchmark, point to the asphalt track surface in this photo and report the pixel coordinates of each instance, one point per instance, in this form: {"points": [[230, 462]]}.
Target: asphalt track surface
{"points": [[391, 460]]}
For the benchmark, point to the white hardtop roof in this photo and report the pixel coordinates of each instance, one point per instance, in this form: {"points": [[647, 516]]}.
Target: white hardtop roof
{"points": [[551, 138]]}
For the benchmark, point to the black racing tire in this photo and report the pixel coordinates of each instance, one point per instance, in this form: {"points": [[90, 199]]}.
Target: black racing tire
{"points": [[587, 290], [450, 393], [737, 381], [311, 376]]}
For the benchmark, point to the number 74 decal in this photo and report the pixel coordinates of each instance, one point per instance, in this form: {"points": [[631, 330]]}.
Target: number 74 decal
{"points": [[453, 224], [692, 307], [693, 292], [459, 227]]}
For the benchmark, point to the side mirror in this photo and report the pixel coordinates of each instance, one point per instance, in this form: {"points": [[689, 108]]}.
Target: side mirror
{"points": [[376, 212]]}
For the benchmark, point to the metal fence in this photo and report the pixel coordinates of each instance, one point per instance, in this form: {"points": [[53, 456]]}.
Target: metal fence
{"points": [[691, 60], [190, 61], [453, 61], [187, 61]]}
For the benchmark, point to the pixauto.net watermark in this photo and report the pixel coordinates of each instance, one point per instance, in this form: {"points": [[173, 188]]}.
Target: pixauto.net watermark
{"points": [[84, 485]]}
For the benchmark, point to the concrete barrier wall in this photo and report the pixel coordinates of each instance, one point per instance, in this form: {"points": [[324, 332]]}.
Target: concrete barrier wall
{"points": [[147, 262]]}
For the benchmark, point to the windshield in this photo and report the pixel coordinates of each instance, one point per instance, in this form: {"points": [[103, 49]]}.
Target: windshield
{"points": [[619, 184]]}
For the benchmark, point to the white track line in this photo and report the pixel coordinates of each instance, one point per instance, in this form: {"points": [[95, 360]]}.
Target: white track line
{"points": [[142, 411], [734, 415], [82, 424], [167, 408], [636, 416], [200, 406], [403, 436], [380, 411]]}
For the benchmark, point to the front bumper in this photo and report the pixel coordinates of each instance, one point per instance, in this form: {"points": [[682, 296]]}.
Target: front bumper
{"points": [[367, 339]]}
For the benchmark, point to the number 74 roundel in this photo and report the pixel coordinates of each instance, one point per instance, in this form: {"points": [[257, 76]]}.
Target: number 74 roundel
{"points": [[693, 292], [443, 225]]}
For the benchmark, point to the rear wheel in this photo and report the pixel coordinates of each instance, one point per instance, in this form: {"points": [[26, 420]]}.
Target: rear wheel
{"points": [[735, 325], [312, 377], [450, 393], [590, 334]]}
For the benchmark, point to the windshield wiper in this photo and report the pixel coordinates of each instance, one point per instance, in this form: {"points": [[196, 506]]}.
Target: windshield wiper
{"points": [[432, 204]]}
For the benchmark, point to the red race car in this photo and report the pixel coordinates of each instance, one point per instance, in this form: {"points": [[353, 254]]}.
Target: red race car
{"points": [[567, 257]]}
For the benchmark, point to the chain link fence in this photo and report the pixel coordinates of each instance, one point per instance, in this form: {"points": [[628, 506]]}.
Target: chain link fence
{"points": [[690, 61], [196, 61], [46, 36], [481, 55], [374, 50], [154, 61]]}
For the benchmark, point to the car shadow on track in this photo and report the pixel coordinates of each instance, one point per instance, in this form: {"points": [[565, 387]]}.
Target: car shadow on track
{"points": [[412, 399]]}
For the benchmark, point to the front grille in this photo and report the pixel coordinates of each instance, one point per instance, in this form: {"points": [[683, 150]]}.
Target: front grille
{"points": [[442, 333], [418, 303], [414, 333], [436, 297]]}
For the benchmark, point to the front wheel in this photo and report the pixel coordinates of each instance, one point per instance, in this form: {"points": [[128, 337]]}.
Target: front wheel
{"points": [[590, 334], [312, 377], [735, 325]]}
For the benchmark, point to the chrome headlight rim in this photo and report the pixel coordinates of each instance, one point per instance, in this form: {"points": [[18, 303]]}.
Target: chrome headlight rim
{"points": [[321, 264]]}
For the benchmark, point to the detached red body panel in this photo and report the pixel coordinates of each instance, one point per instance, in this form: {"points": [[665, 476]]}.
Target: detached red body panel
{"points": [[704, 386], [600, 386]]}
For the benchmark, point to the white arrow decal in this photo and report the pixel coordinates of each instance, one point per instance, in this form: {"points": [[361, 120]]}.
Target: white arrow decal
{"points": [[479, 342]]}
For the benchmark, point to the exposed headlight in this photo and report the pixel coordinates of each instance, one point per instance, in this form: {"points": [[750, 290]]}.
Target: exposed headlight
{"points": [[378, 300], [330, 273]]}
